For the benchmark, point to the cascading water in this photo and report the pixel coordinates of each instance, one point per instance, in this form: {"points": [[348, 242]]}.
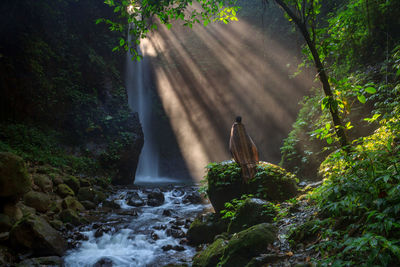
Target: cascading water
{"points": [[139, 97]]}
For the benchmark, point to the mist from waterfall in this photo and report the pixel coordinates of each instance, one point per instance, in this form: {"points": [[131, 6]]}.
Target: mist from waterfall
{"points": [[139, 97]]}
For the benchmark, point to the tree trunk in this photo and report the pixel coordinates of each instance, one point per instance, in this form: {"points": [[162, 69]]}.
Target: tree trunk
{"points": [[321, 73]]}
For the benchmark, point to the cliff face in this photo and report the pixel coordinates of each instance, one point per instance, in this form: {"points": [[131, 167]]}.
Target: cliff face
{"points": [[59, 76]]}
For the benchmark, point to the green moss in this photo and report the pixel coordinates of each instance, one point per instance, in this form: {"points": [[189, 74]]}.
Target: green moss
{"points": [[211, 255], [14, 179], [271, 182], [205, 227], [243, 246], [64, 190]]}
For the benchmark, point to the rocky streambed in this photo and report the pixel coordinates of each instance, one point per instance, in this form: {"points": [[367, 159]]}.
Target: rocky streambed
{"points": [[137, 227]]}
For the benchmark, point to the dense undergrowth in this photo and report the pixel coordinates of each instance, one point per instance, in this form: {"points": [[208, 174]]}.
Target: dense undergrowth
{"points": [[359, 201]]}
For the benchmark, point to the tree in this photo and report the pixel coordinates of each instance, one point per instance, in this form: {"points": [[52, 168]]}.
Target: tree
{"points": [[302, 13]]}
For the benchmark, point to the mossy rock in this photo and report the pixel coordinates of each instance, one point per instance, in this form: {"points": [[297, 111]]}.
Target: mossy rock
{"points": [[243, 246], [38, 200], [43, 182], [70, 216], [304, 233], [14, 178], [34, 233], [271, 182], [5, 223], [42, 261], [253, 211], [211, 255], [72, 182], [72, 203], [13, 212], [86, 194], [205, 227], [64, 190]]}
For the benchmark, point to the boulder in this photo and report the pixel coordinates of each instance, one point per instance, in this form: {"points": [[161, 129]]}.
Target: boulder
{"points": [[70, 216], [211, 255], [155, 198], [86, 193], [193, 198], [205, 227], [38, 200], [271, 182], [43, 182], [5, 223], [135, 200], [253, 211], [64, 190], [72, 203], [89, 205], [72, 182], [111, 204], [34, 233], [13, 212], [42, 261], [104, 262], [245, 245], [14, 179]]}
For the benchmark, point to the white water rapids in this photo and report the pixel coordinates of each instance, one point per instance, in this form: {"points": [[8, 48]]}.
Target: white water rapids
{"points": [[129, 240]]}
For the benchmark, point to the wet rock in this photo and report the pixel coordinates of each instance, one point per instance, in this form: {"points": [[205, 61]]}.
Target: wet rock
{"points": [[167, 247], [73, 182], [99, 196], [133, 213], [104, 262], [155, 198], [160, 227], [39, 201], [43, 182], [79, 236], [193, 198], [177, 192], [72, 203], [111, 204], [42, 261], [135, 200], [14, 178], [205, 227], [99, 232], [266, 259], [252, 212], [89, 205], [154, 236], [57, 224], [34, 233], [5, 223], [167, 213], [183, 241], [64, 190], [178, 248], [175, 233]]}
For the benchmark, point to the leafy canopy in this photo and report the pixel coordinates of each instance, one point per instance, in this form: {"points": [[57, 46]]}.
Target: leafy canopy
{"points": [[144, 16]]}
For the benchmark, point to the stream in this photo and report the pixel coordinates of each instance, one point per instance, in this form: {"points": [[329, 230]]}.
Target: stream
{"points": [[138, 229]]}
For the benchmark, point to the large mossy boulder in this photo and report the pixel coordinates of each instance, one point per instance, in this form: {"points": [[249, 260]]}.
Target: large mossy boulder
{"points": [[240, 249], [64, 190], [253, 211], [271, 182], [35, 234], [72, 203], [43, 182], [243, 246], [14, 178], [38, 200], [73, 182], [211, 255], [205, 227]]}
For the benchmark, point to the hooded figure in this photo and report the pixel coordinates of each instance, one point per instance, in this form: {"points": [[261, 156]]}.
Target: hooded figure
{"points": [[243, 150]]}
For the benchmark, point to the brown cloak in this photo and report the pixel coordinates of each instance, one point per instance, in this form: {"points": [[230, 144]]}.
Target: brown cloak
{"points": [[243, 150]]}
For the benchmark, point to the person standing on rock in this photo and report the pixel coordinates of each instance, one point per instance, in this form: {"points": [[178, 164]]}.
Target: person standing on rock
{"points": [[243, 150]]}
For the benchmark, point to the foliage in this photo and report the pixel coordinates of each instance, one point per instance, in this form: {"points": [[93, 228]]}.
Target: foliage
{"points": [[362, 188], [145, 16], [42, 147]]}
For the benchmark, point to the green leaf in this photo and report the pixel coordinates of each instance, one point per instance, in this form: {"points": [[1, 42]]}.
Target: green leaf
{"points": [[169, 25], [329, 140], [370, 90], [99, 21], [362, 99], [121, 42]]}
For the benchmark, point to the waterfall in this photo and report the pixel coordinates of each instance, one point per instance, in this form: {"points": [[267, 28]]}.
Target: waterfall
{"points": [[139, 97]]}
